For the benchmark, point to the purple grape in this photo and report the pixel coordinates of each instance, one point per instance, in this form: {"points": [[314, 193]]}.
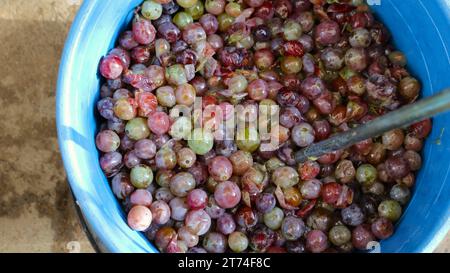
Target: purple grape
{"points": [[131, 159], [352, 215], [312, 87], [226, 224], [105, 108], [303, 134], [145, 149], [107, 141], [327, 33], [111, 163], [316, 241], [169, 32], [265, 202], [209, 23]]}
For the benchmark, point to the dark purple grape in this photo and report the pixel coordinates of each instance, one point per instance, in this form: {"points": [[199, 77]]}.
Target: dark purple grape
{"points": [[287, 155], [111, 163], [302, 5], [126, 143], [187, 56], [312, 87], [140, 54], [362, 236], [233, 57], [262, 33], [169, 32], [127, 40], [397, 167], [308, 44], [170, 8], [283, 8], [226, 224], [265, 202], [316, 241], [209, 23], [292, 228], [327, 33], [322, 129], [332, 58], [287, 98], [369, 204], [309, 66], [261, 239], [382, 228], [179, 46], [105, 107], [199, 84], [290, 116], [131, 159], [295, 246], [165, 18], [114, 84], [352, 215], [303, 105]]}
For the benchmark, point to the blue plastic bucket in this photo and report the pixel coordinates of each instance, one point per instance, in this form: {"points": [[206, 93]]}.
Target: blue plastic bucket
{"points": [[421, 29]]}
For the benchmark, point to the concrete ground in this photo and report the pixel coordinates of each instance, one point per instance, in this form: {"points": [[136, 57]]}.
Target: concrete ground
{"points": [[36, 209]]}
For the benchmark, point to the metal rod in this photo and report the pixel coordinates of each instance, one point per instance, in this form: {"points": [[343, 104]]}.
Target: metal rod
{"points": [[402, 117]]}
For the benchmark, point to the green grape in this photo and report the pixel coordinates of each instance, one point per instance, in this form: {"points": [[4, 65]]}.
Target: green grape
{"points": [[274, 218], [166, 96], [273, 164], [292, 30], [366, 174], [225, 21], [141, 176], [187, 3], [390, 209], [237, 83], [182, 19], [197, 10], [151, 10], [237, 241], [248, 141], [339, 235], [176, 75], [285, 177], [233, 9], [181, 128], [137, 129], [201, 141]]}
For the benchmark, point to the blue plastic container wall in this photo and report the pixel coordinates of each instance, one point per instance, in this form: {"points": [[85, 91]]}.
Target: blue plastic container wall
{"points": [[421, 29]]}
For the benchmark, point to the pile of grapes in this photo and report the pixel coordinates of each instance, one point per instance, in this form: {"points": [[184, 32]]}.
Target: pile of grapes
{"points": [[328, 65]]}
